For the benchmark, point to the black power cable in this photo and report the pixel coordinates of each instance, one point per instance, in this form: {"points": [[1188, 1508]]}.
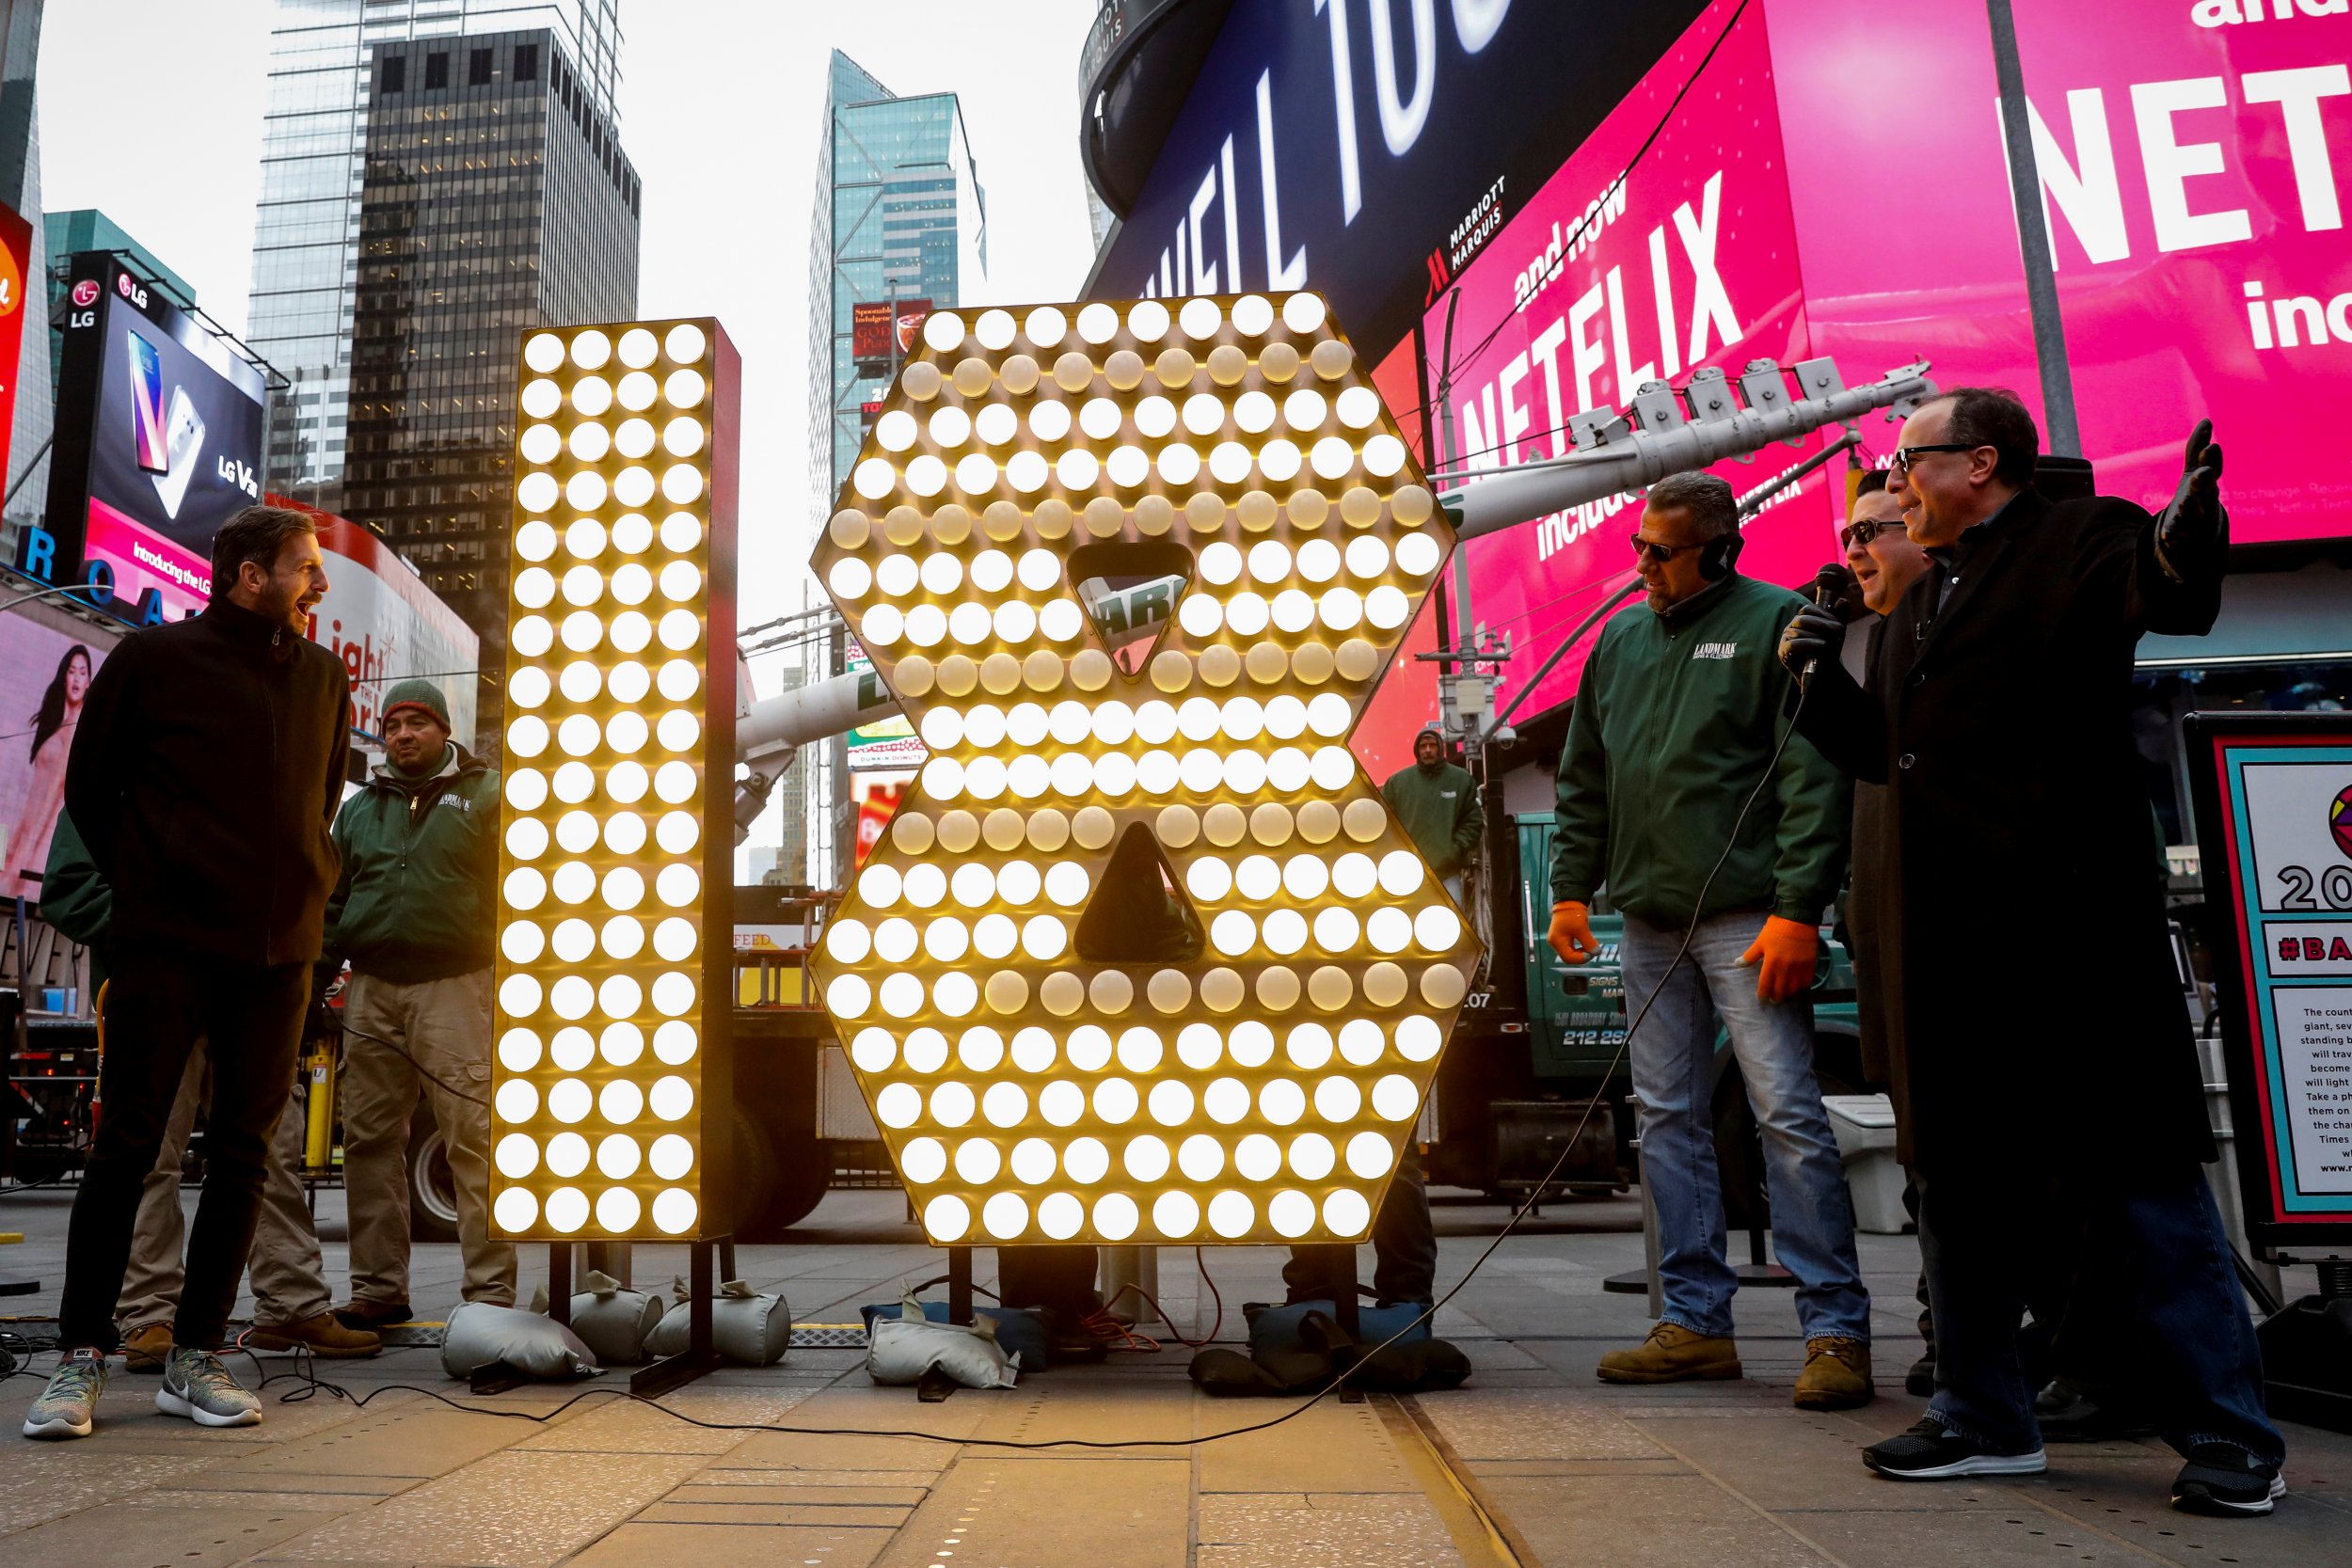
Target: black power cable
{"points": [[313, 1385]]}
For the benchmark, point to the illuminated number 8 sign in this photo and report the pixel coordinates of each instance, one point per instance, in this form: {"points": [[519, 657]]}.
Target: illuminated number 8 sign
{"points": [[1143, 957]]}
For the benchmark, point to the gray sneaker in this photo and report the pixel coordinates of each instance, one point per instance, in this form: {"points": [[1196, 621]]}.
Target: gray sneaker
{"points": [[196, 1386], [67, 1406]]}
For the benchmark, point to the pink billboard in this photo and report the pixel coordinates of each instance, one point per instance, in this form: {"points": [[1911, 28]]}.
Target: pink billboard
{"points": [[1610, 277], [1834, 182], [2190, 155]]}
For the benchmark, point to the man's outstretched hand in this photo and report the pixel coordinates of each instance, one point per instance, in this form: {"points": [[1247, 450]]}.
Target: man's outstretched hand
{"points": [[2195, 525], [1571, 934], [1783, 955]]}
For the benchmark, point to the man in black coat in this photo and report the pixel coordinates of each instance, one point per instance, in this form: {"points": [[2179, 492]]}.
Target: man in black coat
{"points": [[204, 779], [2048, 1088]]}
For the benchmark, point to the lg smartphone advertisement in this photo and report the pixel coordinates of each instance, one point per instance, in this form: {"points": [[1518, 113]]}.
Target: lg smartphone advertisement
{"points": [[159, 440]]}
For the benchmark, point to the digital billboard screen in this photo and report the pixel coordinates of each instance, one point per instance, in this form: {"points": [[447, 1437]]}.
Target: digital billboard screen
{"points": [[1666, 244], [872, 323], [158, 441]]}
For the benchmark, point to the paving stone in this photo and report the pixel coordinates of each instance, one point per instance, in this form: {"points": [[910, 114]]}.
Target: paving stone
{"points": [[47, 1480], [1999, 1537], [418, 1440], [1519, 1423], [811, 1490], [510, 1510], [1331, 1447], [634, 1545], [1646, 1522], [632, 1426], [1102, 1512], [280, 1502], [1243, 1529], [1804, 1461], [885, 1481], [670, 1511], [2131, 1498], [1097, 1408], [120, 1535]]}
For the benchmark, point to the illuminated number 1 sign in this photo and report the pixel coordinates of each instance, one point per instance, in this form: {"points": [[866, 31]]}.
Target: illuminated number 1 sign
{"points": [[1143, 957], [609, 1095]]}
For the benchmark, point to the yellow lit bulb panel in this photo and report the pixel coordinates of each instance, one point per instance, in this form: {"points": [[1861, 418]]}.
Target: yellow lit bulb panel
{"points": [[1261, 1091], [609, 1083]]}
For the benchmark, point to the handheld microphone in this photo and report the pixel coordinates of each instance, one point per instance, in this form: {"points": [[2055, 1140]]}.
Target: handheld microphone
{"points": [[1830, 585]]}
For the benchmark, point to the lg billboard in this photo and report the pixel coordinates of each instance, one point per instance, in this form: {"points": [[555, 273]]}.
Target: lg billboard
{"points": [[158, 443]]}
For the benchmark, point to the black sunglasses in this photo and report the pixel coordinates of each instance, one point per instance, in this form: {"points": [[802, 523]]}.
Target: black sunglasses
{"points": [[1863, 531], [1650, 549], [1906, 457]]}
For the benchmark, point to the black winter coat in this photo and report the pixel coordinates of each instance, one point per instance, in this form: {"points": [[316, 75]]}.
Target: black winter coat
{"points": [[204, 778], [2013, 917]]}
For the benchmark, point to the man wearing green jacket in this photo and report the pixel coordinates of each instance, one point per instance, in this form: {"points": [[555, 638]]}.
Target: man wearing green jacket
{"points": [[413, 914], [1436, 804], [1675, 730]]}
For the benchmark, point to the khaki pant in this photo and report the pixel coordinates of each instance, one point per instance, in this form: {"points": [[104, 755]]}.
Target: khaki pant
{"points": [[445, 1025], [288, 1276]]}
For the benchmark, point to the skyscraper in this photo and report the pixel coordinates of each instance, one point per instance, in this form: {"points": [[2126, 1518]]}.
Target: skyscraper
{"points": [[306, 231], [900, 222], [495, 198]]}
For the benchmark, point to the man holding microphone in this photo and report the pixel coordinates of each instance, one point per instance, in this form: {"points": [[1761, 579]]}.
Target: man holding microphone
{"points": [[1673, 758], [2049, 1095]]}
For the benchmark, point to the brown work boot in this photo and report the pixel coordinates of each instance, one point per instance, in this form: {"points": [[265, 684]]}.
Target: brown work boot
{"points": [[321, 1335], [147, 1349], [1836, 1375], [1672, 1354], [371, 1315]]}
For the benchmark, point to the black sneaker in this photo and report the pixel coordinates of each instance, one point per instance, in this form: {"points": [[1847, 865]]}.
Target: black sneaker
{"points": [[1919, 1383], [1932, 1452], [2224, 1479]]}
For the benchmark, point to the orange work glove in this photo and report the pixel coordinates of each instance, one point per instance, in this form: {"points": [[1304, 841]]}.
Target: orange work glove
{"points": [[1571, 935], [1782, 953]]}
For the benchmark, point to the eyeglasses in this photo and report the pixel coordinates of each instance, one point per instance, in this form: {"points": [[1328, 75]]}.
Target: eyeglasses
{"points": [[1867, 529], [1906, 457], [1651, 550]]}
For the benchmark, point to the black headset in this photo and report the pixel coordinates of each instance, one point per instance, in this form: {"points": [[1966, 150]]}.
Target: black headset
{"points": [[1718, 555]]}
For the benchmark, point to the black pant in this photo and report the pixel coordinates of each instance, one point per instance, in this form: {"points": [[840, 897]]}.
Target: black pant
{"points": [[1059, 1280], [1403, 1245], [157, 1008], [2149, 1257]]}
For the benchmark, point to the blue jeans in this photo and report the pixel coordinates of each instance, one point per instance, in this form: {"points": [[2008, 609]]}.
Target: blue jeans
{"points": [[2149, 1256], [1674, 1077]]}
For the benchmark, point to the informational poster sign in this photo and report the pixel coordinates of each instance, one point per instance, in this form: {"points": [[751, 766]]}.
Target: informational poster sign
{"points": [[2274, 820], [887, 743]]}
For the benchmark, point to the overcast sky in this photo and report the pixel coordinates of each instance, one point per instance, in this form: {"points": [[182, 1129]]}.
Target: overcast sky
{"points": [[157, 122]]}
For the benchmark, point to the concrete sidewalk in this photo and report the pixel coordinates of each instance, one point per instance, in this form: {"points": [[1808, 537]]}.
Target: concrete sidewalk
{"points": [[1533, 1462]]}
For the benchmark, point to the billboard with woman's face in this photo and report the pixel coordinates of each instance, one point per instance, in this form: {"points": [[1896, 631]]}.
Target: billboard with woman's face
{"points": [[44, 673]]}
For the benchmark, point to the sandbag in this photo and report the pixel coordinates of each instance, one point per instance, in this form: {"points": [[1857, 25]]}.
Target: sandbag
{"points": [[1276, 1328], [612, 1319], [746, 1327], [1300, 1349], [900, 1350], [480, 1333], [1228, 1373], [1020, 1330]]}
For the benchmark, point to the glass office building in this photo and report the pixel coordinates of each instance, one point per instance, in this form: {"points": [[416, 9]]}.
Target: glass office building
{"points": [[495, 198], [306, 229], [899, 218]]}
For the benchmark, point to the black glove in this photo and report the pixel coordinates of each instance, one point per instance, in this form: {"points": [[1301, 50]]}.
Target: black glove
{"points": [[1816, 633], [2194, 526]]}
